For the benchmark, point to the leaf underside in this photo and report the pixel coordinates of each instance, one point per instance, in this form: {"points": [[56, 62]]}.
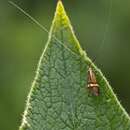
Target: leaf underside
{"points": [[59, 98]]}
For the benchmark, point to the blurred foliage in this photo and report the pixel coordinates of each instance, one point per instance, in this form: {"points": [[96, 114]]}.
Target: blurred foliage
{"points": [[22, 42]]}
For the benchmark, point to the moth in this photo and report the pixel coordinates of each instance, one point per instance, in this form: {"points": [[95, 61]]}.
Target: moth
{"points": [[92, 84]]}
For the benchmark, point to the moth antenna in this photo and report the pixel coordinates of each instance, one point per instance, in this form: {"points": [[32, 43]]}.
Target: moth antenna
{"points": [[29, 16], [107, 24], [41, 26]]}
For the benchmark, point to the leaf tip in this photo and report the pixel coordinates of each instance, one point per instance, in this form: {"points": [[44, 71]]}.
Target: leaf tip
{"points": [[61, 18], [60, 8], [59, 4], [61, 21]]}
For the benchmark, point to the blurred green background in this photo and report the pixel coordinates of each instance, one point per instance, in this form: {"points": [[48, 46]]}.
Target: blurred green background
{"points": [[22, 42]]}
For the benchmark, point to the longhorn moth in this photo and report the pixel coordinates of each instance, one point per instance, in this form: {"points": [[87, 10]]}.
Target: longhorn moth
{"points": [[92, 84]]}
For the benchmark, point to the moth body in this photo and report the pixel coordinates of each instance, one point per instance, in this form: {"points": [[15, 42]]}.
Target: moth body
{"points": [[92, 84]]}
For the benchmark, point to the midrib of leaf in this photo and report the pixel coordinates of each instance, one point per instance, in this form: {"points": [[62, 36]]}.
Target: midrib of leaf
{"points": [[59, 98]]}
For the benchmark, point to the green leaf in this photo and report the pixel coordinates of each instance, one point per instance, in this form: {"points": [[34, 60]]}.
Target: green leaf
{"points": [[59, 98]]}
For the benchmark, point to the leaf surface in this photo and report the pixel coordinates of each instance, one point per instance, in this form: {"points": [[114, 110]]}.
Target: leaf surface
{"points": [[59, 98]]}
